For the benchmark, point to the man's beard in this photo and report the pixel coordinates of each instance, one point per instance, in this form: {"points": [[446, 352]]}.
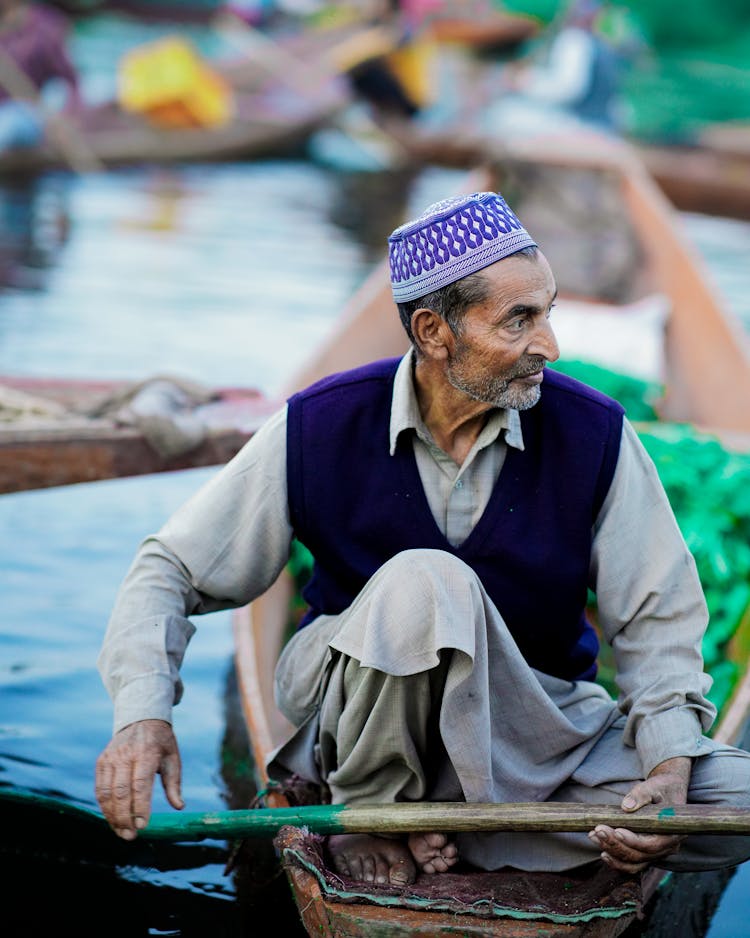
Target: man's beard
{"points": [[496, 391]]}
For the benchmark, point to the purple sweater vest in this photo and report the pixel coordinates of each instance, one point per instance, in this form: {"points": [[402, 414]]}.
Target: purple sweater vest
{"points": [[354, 506]]}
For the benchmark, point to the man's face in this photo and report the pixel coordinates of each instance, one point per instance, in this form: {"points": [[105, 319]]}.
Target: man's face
{"points": [[506, 341]]}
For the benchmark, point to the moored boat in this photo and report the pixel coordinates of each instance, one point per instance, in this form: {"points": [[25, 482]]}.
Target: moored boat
{"points": [[276, 91], [654, 315], [60, 432], [480, 27], [708, 173], [270, 121], [703, 177]]}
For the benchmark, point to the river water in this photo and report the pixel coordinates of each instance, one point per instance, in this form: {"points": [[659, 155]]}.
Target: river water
{"points": [[226, 275]]}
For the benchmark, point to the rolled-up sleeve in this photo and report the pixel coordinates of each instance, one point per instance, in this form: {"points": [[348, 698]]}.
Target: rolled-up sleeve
{"points": [[223, 548], [652, 610]]}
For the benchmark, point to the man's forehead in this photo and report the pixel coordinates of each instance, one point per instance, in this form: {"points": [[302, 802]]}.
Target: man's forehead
{"points": [[521, 273]]}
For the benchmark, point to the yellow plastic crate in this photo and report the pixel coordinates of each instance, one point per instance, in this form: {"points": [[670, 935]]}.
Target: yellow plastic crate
{"points": [[168, 83]]}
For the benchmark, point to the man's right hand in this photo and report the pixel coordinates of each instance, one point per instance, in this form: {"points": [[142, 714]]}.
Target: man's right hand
{"points": [[125, 774]]}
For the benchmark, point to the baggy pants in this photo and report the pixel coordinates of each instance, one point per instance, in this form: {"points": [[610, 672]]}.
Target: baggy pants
{"points": [[418, 692]]}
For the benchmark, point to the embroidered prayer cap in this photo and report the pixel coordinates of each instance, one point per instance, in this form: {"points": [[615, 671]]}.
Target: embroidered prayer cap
{"points": [[450, 240]]}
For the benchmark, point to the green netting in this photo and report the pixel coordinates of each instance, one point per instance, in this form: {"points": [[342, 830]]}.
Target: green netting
{"points": [[679, 93], [543, 10], [638, 397], [681, 23], [709, 489]]}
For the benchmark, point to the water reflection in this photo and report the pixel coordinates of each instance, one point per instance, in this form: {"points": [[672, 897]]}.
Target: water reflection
{"points": [[34, 228], [369, 205]]}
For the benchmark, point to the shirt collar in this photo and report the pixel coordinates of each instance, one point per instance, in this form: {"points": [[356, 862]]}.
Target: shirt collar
{"points": [[405, 413]]}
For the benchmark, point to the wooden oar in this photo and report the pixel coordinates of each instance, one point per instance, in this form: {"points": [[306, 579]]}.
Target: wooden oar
{"points": [[73, 146], [449, 817]]}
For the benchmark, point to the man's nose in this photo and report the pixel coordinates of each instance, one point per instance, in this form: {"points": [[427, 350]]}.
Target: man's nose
{"points": [[544, 342]]}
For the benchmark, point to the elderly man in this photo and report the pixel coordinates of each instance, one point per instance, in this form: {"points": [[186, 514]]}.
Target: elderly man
{"points": [[459, 504]]}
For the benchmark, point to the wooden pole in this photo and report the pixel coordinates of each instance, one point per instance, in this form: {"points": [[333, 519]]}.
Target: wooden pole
{"points": [[450, 817], [404, 818], [73, 147]]}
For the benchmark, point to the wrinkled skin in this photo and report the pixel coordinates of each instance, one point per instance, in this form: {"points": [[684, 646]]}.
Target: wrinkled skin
{"points": [[622, 849], [125, 773]]}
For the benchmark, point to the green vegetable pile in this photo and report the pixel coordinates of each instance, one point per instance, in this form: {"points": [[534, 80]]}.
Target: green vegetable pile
{"points": [[709, 490]]}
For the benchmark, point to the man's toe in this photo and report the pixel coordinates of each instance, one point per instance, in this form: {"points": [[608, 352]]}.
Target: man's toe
{"points": [[402, 873]]}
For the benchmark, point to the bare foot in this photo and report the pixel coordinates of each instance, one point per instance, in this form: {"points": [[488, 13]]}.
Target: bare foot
{"points": [[372, 859], [433, 852]]}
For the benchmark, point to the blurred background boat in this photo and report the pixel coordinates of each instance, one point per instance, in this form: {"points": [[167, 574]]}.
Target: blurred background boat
{"points": [[62, 432]]}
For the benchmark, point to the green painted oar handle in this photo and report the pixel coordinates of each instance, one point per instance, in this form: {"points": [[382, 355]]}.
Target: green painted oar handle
{"points": [[448, 817]]}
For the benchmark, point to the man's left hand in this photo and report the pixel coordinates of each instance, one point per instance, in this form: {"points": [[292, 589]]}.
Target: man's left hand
{"points": [[622, 849]]}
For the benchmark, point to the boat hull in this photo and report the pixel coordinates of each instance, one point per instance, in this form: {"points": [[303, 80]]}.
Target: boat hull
{"points": [[67, 446]]}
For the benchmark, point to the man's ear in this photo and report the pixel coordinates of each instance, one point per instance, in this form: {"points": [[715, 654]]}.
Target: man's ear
{"points": [[432, 333]]}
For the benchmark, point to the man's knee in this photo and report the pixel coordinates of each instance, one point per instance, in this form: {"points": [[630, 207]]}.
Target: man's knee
{"points": [[419, 602], [426, 569], [721, 777]]}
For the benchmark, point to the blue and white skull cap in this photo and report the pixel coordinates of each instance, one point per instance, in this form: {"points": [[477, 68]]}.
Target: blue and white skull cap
{"points": [[450, 240]]}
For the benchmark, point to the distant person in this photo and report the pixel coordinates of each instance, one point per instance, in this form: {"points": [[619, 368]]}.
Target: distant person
{"points": [[581, 76], [376, 79], [33, 55]]}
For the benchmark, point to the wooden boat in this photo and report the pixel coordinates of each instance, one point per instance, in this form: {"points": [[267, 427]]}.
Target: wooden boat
{"points": [[272, 120], [696, 341], [731, 137], [283, 89], [703, 177], [709, 175], [330, 907], [60, 432], [699, 341]]}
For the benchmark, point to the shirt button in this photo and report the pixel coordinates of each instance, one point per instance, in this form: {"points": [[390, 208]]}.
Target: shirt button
{"points": [[459, 484]]}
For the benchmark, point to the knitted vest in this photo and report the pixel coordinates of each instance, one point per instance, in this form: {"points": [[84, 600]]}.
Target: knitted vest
{"points": [[354, 506]]}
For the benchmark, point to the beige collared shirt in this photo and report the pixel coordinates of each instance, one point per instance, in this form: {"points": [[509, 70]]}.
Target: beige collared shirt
{"points": [[457, 495], [231, 540]]}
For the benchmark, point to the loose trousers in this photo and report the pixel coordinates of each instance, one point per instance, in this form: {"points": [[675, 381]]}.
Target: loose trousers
{"points": [[418, 692]]}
